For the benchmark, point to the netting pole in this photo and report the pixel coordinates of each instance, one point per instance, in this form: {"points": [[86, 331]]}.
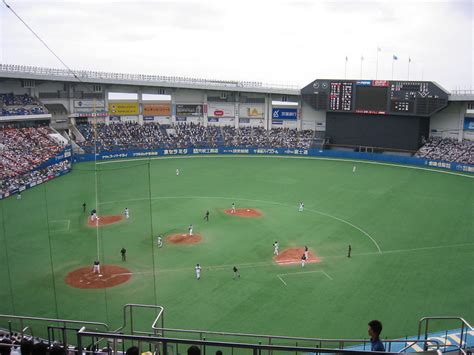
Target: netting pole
{"points": [[151, 231], [50, 251], [6, 256]]}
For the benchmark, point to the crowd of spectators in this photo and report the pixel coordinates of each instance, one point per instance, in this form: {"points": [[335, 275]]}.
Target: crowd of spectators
{"points": [[128, 136], [19, 105], [21, 151], [15, 343], [447, 149]]}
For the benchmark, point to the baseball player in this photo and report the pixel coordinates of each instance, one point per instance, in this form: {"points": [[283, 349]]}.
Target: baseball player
{"points": [[303, 260], [84, 207], [159, 241], [177, 172], [96, 267], [354, 169], [126, 213], [306, 252], [123, 252], [198, 271], [233, 207], [190, 230], [301, 207], [94, 215], [206, 217], [349, 250], [236, 272], [18, 196], [275, 248]]}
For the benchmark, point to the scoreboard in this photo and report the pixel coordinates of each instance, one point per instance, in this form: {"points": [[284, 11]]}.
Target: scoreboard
{"points": [[377, 97]]}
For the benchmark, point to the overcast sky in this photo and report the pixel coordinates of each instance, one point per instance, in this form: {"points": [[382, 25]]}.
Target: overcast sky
{"points": [[275, 41]]}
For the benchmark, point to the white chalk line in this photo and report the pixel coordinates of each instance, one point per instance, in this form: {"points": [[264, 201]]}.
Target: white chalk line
{"points": [[261, 201], [289, 157], [282, 280], [280, 276]]}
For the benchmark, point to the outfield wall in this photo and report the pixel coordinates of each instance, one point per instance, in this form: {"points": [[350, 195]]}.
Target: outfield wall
{"points": [[394, 159]]}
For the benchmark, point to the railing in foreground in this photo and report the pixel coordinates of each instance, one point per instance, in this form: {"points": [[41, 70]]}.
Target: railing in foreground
{"points": [[170, 346], [465, 327]]}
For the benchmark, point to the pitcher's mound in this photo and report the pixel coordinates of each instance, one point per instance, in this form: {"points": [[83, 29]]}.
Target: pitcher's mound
{"points": [[292, 256], [182, 238], [244, 212], [105, 220], [110, 275]]}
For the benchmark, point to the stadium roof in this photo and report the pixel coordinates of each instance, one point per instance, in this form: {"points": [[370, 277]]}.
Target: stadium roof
{"points": [[97, 77]]}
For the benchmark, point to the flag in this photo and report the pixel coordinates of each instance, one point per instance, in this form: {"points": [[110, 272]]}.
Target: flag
{"points": [[361, 57], [409, 60], [395, 57], [347, 58]]}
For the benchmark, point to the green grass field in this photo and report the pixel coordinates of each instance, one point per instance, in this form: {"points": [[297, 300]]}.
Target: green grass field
{"points": [[411, 233]]}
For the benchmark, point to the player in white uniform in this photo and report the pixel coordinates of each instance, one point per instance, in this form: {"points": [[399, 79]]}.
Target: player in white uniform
{"points": [[190, 230], [198, 271], [94, 215], [159, 241], [306, 252], [233, 207], [354, 169], [126, 213], [303, 260], [96, 267], [301, 207], [177, 172], [275, 248]]}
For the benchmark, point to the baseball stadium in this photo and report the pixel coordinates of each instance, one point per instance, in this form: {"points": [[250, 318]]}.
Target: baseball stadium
{"points": [[171, 215]]}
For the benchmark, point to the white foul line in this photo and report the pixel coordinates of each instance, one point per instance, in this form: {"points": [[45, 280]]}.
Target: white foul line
{"points": [[282, 280], [304, 272]]}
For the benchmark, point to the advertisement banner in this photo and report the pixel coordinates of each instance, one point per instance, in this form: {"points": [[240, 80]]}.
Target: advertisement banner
{"points": [[157, 109], [469, 123], [89, 104], [251, 111], [213, 119], [186, 110], [285, 113], [221, 110], [123, 108], [181, 119]]}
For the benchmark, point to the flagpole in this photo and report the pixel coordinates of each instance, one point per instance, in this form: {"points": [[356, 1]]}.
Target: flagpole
{"points": [[377, 62], [345, 69], [393, 62], [409, 61]]}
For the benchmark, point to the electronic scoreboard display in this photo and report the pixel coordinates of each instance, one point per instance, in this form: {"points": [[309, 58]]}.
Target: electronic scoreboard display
{"points": [[378, 97]]}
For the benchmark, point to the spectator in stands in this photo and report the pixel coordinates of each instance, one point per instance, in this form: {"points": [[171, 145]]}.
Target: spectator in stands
{"points": [[133, 350], [375, 328], [194, 350], [56, 349], [40, 349], [5, 346], [26, 347]]}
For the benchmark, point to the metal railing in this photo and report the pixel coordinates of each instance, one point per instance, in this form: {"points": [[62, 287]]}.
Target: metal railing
{"points": [[62, 324], [465, 327], [130, 306], [161, 345], [298, 341], [86, 74]]}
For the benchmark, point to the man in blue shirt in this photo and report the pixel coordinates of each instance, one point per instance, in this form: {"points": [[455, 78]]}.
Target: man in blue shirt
{"points": [[375, 328]]}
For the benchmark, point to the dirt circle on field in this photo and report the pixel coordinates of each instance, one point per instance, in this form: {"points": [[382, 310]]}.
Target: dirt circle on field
{"points": [[110, 276], [244, 212], [104, 220], [183, 238], [292, 256]]}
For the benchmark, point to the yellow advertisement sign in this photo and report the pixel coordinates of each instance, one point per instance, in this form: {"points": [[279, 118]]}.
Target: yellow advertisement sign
{"points": [[123, 109], [157, 110]]}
